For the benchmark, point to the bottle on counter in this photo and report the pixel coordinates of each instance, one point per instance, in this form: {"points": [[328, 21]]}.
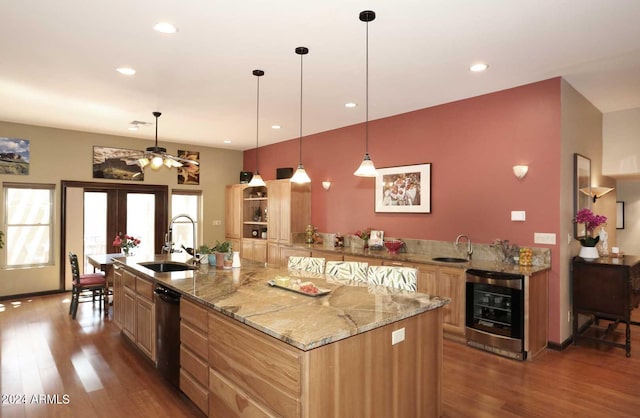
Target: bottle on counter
{"points": [[339, 241]]}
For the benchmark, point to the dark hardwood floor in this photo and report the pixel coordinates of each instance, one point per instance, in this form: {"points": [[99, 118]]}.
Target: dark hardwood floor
{"points": [[87, 370]]}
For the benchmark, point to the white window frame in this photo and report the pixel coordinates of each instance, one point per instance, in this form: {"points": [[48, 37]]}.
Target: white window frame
{"points": [[7, 186], [199, 211]]}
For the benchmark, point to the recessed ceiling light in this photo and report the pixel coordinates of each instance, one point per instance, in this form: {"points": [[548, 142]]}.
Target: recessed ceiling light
{"points": [[126, 70], [478, 67], [350, 105], [227, 141], [165, 27], [275, 126], [133, 127]]}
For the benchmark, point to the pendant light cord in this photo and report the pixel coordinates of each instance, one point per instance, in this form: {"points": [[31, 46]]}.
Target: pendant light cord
{"points": [[257, 120], [300, 160], [366, 125]]}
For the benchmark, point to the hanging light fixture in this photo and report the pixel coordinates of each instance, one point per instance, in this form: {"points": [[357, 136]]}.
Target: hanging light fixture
{"points": [[256, 180], [156, 156], [300, 176], [367, 169]]}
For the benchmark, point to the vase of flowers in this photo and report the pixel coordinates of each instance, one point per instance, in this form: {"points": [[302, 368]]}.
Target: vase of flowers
{"points": [[364, 235], [591, 221], [126, 243]]}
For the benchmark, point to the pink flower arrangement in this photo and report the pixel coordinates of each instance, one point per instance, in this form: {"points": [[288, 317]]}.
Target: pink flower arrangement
{"points": [[125, 242], [363, 234], [591, 221]]}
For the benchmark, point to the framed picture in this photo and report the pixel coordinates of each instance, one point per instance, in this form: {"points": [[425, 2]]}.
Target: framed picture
{"points": [[404, 189], [117, 163], [189, 173], [619, 215], [581, 190], [14, 156], [376, 239]]}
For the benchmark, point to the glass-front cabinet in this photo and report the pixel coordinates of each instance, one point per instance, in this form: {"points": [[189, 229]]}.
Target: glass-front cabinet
{"points": [[254, 212]]}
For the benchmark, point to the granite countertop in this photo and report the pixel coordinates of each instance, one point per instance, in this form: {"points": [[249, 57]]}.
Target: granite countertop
{"points": [[383, 254], [304, 322]]}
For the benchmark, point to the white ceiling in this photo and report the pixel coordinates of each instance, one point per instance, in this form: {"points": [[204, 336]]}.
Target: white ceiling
{"points": [[58, 60]]}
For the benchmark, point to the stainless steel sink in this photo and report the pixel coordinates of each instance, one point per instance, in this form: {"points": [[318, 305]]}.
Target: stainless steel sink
{"points": [[167, 266], [450, 259]]}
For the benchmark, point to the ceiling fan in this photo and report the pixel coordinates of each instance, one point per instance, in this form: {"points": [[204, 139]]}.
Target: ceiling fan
{"points": [[156, 156]]}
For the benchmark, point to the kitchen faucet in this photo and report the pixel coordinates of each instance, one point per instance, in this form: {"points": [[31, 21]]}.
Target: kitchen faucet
{"points": [[168, 245], [469, 247]]}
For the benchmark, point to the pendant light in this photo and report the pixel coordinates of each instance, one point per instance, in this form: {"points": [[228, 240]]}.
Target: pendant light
{"points": [[156, 156], [300, 176], [256, 180], [367, 169]]}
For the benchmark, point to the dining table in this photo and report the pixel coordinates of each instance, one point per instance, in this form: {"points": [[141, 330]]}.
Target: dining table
{"points": [[104, 263]]}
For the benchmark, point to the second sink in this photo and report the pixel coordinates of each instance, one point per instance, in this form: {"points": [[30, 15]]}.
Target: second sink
{"points": [[450, 259], [167, 267]]}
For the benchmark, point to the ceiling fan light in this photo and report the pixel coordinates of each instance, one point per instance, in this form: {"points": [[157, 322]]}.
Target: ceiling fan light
{"points": [[156, 162], [366, 169], [256, 181], [143, 162], [300, 176]]}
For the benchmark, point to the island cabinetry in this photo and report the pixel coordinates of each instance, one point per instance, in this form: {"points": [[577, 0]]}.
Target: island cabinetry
{"points": [[289, 210], [194, 353], [246, 364], [253, 374], [138, 313], [118, 297], [447, 282], [233, 211]]}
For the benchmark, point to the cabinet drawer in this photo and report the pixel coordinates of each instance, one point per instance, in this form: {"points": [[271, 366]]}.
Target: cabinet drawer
{"points": [[199, 395], [129, 280], [194, 340], [194, 314], [235, 351], [196, 366], [144, 288], [225, 400]]}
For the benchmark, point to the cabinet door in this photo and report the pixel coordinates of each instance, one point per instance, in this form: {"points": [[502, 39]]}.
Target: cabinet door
{"points": [[246, 249], [428, 280], [273, 204], [260, 251], [233, 211], [146, 327], [273, 254], [129, 314], [118, 297], [451, 283]]}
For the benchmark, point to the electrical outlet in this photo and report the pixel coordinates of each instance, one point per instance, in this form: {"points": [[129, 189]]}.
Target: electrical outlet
{"points": [[569, 238], [518, 215], [397, 336], [216, 222]]}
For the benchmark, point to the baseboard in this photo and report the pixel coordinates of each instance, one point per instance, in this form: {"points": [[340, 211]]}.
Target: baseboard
{"points": [[30, 295]]}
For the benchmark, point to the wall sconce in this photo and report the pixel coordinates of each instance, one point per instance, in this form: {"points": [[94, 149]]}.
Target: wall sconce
{"points": [[520, 171], [598, 192], [326, 185]]}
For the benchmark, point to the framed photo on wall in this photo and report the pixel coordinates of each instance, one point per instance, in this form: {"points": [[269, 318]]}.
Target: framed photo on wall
{"points": [[189, 173], [404, 189], [117, 164], [619, 215]]}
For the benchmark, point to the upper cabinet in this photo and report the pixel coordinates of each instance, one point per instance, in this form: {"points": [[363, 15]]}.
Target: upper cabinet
{"points": [[254, 212], [289, 210]]}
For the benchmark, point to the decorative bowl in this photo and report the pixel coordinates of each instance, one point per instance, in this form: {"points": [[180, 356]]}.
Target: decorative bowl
{"points": [[393, 246]]}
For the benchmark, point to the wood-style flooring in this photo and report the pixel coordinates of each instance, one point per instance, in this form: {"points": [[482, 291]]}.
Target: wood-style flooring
{"points": [[86, 369]]}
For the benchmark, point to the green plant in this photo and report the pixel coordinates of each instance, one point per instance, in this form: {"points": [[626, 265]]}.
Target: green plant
{"points": [[205, 249], [223, 247]]}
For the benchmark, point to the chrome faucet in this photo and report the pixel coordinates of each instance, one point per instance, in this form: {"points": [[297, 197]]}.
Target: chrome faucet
{"points": [[469, 247], [168, 245]]}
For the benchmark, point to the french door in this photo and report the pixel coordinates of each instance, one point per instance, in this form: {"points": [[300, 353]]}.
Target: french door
{"points": [[94, 213]]}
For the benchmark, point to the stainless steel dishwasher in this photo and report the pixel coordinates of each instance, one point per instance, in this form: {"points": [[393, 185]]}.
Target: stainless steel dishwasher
{"points": [[168, 333]]}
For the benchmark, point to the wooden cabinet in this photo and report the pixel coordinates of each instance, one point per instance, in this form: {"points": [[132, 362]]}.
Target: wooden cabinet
{"points": [[254, 249], [536, 313], [118, 297], [194, 353], [428, 279], [138, 312], [289, 209], [233, 211], [450, 283]]}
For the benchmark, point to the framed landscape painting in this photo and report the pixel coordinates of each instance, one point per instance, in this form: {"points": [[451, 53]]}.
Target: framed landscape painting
{"points": [[404, 189], [14, 156]]}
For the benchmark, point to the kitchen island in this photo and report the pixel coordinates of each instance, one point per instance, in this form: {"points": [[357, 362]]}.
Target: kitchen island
{"points": [[357, 351]]}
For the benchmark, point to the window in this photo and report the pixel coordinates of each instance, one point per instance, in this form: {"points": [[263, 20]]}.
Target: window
{"points": [[29, 224], [186, 202]]}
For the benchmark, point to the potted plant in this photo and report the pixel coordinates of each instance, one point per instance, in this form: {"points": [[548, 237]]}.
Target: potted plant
{"points": [[204, 251], [591, 221], [221, 249]]}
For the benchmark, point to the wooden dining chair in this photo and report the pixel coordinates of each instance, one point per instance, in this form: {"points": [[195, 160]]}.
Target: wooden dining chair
{"points": [[310, 264], [405, 278], [95, 283]]}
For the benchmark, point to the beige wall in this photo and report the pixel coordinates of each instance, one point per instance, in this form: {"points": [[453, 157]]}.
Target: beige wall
{"points": [[58, 154], [582, 134]]}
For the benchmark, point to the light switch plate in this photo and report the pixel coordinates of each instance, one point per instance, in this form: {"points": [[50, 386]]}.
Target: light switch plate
{"points": [[544, 238], [518, 215], [397, 336]]}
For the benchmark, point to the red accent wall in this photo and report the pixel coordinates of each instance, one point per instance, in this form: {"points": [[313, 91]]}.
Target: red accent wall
{"points": [[472, 145]]}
